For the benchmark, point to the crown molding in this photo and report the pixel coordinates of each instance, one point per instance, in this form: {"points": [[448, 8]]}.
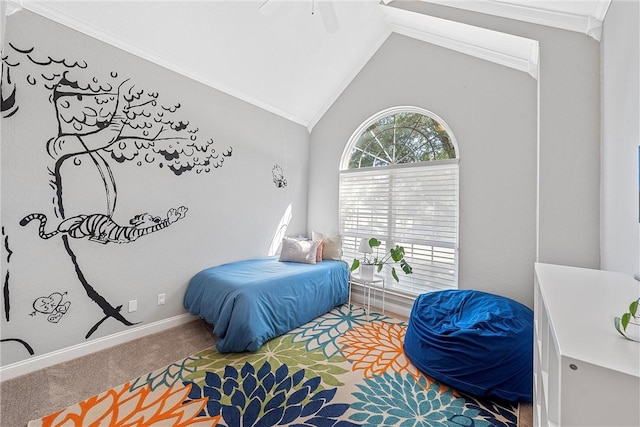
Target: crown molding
{"points": [[512, 51], [41, 8], [505, 49], [10, 7], [589, 24], [349, 77]]}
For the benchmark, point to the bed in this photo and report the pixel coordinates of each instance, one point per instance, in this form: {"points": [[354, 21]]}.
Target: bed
{"points": [[249, 302]]}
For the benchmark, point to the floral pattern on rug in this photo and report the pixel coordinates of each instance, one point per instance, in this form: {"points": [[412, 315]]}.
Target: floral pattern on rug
{"points": [[394, 399], [269, 397], [122, 406], [376, 348], [342, 369]]}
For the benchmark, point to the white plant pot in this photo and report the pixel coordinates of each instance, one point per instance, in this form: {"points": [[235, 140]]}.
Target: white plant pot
{"points": [[633, 332], [366, 271]]}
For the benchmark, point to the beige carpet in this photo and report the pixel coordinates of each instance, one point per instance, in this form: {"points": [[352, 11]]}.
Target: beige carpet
{"points": [[40, 393], [43, 392]]}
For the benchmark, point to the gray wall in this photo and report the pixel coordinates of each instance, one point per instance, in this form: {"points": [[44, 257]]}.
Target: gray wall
{"points": [[233, 211], [492, 113], [569, 171], [620, 137]]}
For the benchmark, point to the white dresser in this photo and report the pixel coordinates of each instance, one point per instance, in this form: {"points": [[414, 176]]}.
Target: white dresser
{"points": [[585, 373]]}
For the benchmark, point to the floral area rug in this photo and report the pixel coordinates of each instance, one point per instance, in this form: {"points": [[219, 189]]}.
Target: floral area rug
{"points": [[342, 369]]}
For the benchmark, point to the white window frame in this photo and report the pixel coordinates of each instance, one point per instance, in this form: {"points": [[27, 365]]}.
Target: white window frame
{"points": [[414, 284]]}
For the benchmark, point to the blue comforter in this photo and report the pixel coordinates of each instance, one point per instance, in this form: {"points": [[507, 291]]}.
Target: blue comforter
{"points": [[249, 302]]}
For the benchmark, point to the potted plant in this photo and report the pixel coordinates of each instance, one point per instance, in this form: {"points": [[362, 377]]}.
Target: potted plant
{"points": [[631, 317], [371, 263]]}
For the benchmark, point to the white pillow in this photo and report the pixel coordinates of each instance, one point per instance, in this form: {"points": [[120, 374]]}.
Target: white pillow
{"points": [[332, 248], [303, 251]]}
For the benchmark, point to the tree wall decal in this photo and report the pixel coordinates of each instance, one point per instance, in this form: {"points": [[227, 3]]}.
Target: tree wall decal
{"points": [[102, 116]]}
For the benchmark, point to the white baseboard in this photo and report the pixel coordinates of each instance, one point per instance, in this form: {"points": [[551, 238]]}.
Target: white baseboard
{"points": [[63, 355]]}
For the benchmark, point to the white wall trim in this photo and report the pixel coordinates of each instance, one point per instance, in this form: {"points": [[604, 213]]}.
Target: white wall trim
{"points": [[349, 78], [590, 24], [511, 51], [447, 34], [63, 355], [42, 9]]}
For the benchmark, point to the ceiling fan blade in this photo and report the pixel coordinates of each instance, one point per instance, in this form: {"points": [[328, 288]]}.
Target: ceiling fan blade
{"points": [[329, 18]]}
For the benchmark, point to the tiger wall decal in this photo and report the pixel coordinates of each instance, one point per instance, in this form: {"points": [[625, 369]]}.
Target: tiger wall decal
{"points": [[102, 229], [102, 117]]}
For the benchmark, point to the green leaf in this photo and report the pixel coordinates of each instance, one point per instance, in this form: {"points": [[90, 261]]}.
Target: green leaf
{"points": [[406, 267], [624, 321], [633, 307], [616, 322], [355, 265], [373, 242], [397, 253], [394, 274]]}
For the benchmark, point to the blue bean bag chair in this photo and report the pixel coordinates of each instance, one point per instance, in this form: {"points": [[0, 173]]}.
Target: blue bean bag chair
{"points": [[475, 342]]}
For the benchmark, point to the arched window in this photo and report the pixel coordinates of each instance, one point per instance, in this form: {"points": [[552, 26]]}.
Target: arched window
{"points": [[399, 184]]}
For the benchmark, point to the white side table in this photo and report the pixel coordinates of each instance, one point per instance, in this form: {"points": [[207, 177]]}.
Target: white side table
{"points": [[367, 284]]}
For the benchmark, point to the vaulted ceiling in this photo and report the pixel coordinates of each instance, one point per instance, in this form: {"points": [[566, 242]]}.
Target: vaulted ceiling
{"points": [[295, 57]]}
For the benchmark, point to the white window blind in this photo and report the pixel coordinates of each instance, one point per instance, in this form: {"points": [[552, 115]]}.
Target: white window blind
{"points": [[415, 206]]}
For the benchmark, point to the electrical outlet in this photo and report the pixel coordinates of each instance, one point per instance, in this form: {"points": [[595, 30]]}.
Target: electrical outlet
{"points": [[133, 305], [161, 299]]}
